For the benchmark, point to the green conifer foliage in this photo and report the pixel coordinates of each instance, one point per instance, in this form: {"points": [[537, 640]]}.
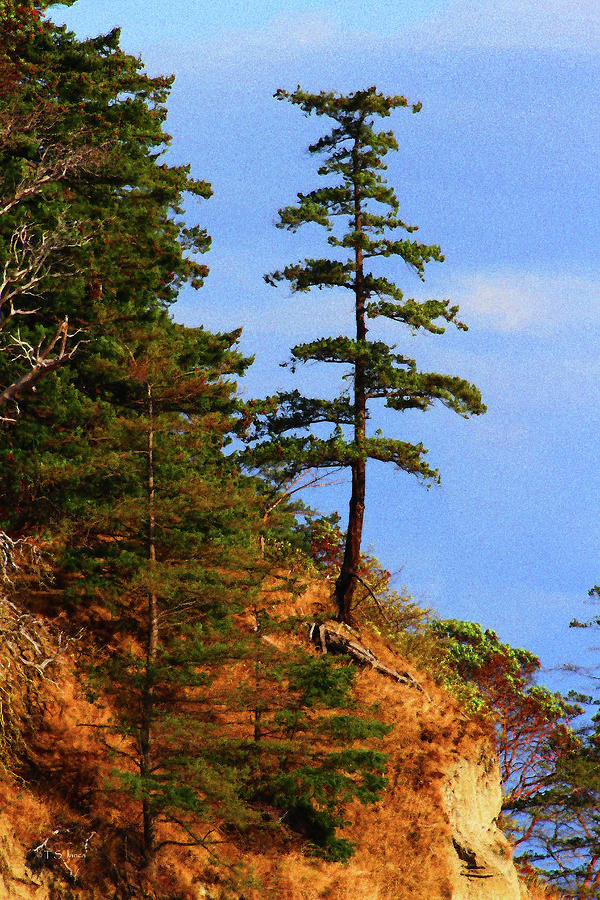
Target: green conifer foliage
{"points": [[308, 746], [358, 200], [169, 553], [222, 728], [91, 235], [89, 216]]}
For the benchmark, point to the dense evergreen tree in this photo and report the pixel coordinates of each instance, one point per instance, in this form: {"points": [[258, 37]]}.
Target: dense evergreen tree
{"points": [[160, 533], [82, 134], [81, 139], [359, 196], [89, 215], [168, 551]]}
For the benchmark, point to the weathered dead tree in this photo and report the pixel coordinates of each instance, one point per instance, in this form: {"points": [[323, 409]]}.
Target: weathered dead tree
{"points": [[8, 564], [31, 259], [48, 356], [36, 254], [56, 160], [29, 650]]}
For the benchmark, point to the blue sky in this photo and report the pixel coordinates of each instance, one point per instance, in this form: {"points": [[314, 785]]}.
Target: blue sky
{"points": [[501, 168]]}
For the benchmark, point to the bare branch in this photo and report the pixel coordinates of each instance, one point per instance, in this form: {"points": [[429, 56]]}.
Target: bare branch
{"points": [[37, 253], [26, 640], [31, 260], [43, 359], [7, 556], [54, 162]]}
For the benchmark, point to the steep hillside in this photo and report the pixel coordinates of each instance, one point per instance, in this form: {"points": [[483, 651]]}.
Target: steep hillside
{"points": [[433, 835]]}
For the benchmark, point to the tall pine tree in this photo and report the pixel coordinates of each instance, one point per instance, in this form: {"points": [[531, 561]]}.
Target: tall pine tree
{"points": [[158, 535], [359, 197]]}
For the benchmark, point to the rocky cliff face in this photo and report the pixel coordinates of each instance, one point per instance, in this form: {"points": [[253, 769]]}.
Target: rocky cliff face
{"points": [[479, 856]]}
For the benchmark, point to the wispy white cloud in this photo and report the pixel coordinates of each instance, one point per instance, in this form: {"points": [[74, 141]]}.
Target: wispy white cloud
{"points": [[560, 25], [280, 36], [513, 301], [331, 33], [554, 25]]}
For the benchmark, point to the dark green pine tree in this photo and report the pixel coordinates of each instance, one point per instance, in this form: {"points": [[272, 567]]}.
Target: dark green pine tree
{"points": [[367, 209], [308, 746], [91, 236], [159, 524], [213, 724], [90, 218]]}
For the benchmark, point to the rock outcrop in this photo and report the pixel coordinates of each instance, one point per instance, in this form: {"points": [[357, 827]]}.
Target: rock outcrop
{"points": [[479, 855]]}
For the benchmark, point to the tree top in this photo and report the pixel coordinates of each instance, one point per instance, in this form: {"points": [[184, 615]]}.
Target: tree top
{"points": [[356, 105]]}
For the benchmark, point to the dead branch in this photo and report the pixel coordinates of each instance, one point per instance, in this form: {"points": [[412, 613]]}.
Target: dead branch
{"points": [[30, 262], [31, 259], [373, 596], [43, 857], [28, 651], [331, 641], [299, 483], [47, 357], [54, 162], [7, 556], [41, 847], [196, 840], [36, 255], [27, 640]]}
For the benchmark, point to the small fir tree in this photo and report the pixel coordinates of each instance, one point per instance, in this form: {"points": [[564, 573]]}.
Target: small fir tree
{"points": [[358, 196]]}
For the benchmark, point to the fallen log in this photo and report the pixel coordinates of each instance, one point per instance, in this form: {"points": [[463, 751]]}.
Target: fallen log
{"points": [[330, 641]]}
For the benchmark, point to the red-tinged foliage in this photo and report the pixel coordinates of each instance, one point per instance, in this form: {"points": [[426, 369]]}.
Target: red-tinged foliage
{"points": [[533, 724], [326, 541]]}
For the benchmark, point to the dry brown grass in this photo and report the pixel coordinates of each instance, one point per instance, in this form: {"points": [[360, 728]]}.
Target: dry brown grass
{"points": [[402, 840]]}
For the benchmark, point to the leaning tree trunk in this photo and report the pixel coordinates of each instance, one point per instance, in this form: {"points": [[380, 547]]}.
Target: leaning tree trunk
{"points": [[346, 583]]}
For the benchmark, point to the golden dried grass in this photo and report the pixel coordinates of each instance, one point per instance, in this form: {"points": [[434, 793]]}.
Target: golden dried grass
{"points": [[402, 841]]}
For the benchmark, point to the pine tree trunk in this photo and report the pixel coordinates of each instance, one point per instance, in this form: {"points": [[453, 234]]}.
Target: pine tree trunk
{"points": [[146, 737], [346, 583]]}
